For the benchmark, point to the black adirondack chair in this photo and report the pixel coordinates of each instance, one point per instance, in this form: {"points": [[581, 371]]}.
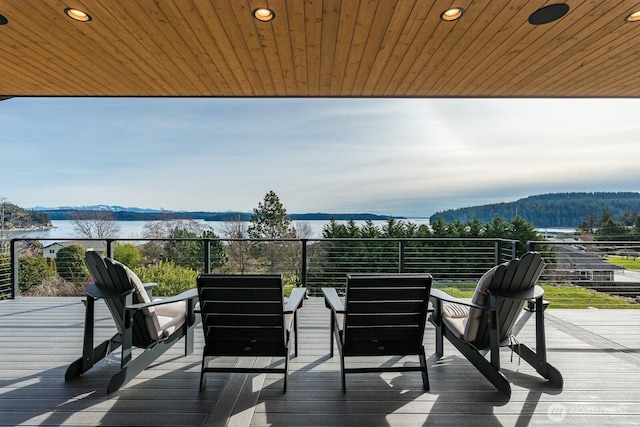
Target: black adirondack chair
{"points": [[152, 326], [245, 315], [491, 319], [382, 315]]}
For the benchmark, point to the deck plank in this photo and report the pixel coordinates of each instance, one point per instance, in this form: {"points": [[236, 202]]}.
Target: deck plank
{"points": [[597, 351]]}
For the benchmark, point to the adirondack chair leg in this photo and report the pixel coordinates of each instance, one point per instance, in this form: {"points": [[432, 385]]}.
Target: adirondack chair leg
{"points": [[205, 363], [332, 333], [286, 371], [295, 334], [90, 355], [485, 367], [538, 359], [494, 333], [189, 326], [343, 374], [436, 320], [134, 366], [423, 366]]}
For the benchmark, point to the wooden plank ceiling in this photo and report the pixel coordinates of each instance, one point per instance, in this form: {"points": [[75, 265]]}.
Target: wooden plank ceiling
{"points": [[327, 48]]}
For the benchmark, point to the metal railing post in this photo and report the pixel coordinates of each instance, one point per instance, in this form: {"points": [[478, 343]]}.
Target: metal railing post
{"points": [[497, 252], [303, 266], [110, 248], [14, 269], [401, 247], [207, 255]]}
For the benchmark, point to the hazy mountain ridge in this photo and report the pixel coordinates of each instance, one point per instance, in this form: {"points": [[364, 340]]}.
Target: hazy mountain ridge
{"points": [[141, 214]]}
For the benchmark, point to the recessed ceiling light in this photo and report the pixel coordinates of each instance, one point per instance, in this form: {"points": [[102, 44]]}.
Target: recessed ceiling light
{"points": [[634, 17], [77, 14], [263, 14], [3, 20], [452, 14], [548, 14]]}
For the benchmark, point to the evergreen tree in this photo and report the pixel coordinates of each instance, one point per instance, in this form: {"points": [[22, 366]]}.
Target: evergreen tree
{"points": [[270, 220]]}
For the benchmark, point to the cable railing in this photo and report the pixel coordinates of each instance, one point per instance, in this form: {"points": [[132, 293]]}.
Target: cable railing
{"points": [[26, 265], [31, 264], [603, 266]]}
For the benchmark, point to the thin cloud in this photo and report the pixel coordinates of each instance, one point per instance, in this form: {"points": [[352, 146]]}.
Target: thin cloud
{"points": [[404, 157]]}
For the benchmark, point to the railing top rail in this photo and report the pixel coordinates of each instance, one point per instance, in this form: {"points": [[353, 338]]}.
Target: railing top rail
{"points": [[332, 239], [587, 242]]}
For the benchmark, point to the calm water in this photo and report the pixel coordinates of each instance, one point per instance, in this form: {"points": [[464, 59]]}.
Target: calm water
{"points": [[134, 229]]}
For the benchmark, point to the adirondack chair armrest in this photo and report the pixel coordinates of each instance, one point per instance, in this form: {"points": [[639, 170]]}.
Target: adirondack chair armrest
{"points": [[439, 295], [528, 294], [149, 288], [295, 300], [97, 292], [191, 294], [332, 300]]}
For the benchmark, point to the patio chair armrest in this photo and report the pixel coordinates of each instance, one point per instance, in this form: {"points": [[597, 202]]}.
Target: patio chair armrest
{"points": [[531, 293], [148, 285], [149, 288], [191, 294], [443, 296], [295, 300], [332, 300], [98, 292]]}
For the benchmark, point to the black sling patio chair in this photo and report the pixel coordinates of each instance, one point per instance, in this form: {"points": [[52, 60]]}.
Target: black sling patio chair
{"points": [[151, 326], [382, 315], [488, 321], [246, 316]]}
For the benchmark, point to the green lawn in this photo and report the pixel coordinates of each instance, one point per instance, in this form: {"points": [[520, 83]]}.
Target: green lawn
{"points": [[628, 263], [564, 297]]}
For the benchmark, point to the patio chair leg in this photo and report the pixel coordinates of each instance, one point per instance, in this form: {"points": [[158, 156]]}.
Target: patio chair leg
{"points": [[286, 371], [486, 368], [439, 341], [344, 379], [332, 333], [423, 365], [203, 383], [295, 334], [541, 366]]}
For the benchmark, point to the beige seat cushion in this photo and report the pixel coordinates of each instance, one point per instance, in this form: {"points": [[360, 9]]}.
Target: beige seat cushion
{"points": [[481, 297], [455, 316], [463, 320], [161, 320]]}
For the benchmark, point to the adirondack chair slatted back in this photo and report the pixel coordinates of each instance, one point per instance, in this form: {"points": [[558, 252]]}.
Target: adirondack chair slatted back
{"points": [[112, 275], [385, 315], [515, 275], [242, 315]]}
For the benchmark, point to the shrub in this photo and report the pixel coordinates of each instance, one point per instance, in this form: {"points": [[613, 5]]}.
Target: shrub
{"points": [[172, 279], [33, 270], [127, 254], [70, 264], [55, 287]]}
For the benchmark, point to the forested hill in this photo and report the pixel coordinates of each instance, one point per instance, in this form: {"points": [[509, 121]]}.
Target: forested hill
{"points": [[550, 210]]}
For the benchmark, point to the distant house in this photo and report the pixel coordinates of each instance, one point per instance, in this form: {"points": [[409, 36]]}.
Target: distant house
{"points": [[51, 251]]}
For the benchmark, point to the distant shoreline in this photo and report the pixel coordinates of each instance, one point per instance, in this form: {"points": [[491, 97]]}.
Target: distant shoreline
{"points": [[58, 215]]}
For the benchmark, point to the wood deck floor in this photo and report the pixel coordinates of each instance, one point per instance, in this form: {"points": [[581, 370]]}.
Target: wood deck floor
{"points": [[597, 351]]}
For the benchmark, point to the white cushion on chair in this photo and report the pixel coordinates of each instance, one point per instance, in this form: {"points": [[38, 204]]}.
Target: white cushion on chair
{"points": [[464, 320], [161, 320], [455, 316], [480, 296]]}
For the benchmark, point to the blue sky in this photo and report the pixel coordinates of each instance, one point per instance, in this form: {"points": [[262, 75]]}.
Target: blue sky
{"points": [[402, 157]]}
